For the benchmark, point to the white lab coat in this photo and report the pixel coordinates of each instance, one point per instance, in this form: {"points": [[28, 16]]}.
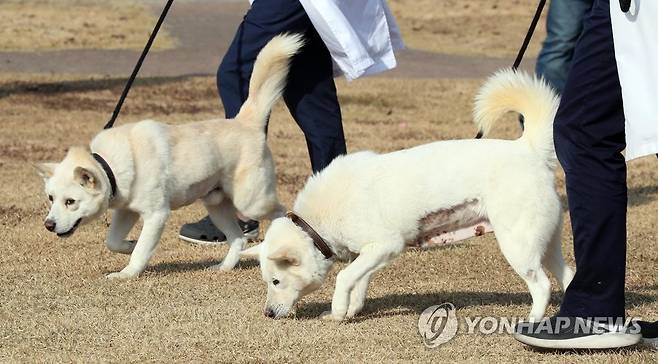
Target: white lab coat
{"points": [[636, 48], [361, 35]]}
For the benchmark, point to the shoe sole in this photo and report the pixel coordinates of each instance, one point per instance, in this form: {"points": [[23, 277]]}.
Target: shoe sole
{"points": [[608, 340], [187, 239], [650, 343]]}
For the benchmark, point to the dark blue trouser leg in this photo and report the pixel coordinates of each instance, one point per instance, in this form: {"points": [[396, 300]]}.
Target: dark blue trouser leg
{"points": [[310, 94], [589, 138], [312, 101]]}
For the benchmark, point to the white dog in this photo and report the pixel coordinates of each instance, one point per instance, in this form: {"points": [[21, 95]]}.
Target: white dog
{"points": [[365, 207], [147, 169]]}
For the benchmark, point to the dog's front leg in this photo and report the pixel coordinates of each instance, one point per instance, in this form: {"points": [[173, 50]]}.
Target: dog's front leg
{"points": [[371, 258], [122, 222], [358, 295], [148, 240], [224, 218]]}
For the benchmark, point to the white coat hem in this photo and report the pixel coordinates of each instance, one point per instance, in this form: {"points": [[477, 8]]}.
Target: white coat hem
{"points": [[641, 151], [386, 63]]}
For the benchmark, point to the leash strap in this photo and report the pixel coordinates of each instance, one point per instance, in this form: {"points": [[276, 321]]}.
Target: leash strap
{"points": [[319, 243], [126, 89], [528, 36], [524, 45]]}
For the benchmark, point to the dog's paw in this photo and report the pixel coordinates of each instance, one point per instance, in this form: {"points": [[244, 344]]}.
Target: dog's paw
{"points": [[354, 309], [329, 316], [121, 275], [221, 268]]}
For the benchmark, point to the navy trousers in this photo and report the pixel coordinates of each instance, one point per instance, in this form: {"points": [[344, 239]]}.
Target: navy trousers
{"points": [[589, 139], [310, 93]]}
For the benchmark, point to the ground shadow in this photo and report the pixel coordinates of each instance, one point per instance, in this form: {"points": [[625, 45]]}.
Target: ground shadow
{"points": [[642, 195], [415, 304], [61, 87], [182, 267], [616, 351]]}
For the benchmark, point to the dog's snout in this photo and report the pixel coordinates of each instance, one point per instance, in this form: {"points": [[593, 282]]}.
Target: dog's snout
{"points": [[269, 313], [50, 225]]}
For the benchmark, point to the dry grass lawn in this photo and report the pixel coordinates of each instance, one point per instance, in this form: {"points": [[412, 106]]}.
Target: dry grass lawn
{"points": [[29, 25], [56, 305], [466, 27], [491, 28]]}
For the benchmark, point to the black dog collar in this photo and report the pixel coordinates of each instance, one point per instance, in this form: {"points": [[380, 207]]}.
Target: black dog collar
{"points": [[108, 172]]}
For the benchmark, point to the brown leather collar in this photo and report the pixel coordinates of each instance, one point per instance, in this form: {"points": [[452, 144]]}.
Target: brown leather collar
{"points": [[319, 243]]}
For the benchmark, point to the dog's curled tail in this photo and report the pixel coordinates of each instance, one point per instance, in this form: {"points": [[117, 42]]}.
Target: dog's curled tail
{"points": [[509, 90], [268, 79]]}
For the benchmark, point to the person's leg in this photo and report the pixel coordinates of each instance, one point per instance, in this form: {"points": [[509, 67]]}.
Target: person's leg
{"points": [[312, 101], [564, 25], [264, 20], [232, 78], [589, 139]]}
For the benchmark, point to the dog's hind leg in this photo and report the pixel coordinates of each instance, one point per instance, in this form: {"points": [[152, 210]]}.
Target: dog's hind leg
{"points": [[554, 260], [122, 222], [522, 251], [223, 215], [277, 212]]}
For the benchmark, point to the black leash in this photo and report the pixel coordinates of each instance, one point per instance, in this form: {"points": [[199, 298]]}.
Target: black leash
{"points": [[117, 109], [524, 46], [528, 36]]}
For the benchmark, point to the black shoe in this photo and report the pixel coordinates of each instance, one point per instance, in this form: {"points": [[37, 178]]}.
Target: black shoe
{"points": [[204, 232], [649, 332], [575, 333]]}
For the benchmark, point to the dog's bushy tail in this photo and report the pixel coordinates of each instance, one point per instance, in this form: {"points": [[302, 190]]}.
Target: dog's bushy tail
{"points": [[532, 97], [268, 79]]}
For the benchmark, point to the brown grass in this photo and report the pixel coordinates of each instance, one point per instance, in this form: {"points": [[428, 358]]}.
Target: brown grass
{"points": [[29, 25], [468, 27], [55, 304]]}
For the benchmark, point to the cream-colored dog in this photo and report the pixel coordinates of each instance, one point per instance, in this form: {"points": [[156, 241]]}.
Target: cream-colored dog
{"points": [[365, 208], [148, 169]]}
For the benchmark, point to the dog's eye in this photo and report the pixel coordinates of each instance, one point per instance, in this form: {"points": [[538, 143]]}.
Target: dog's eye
{"points": [[50, 197], [69, 202], [275, 282]]}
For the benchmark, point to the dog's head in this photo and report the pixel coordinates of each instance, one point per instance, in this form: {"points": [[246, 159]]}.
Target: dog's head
{"points": [[75, 191], [290, 265]]}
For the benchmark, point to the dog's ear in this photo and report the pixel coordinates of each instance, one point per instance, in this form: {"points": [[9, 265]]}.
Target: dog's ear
{"points": [[285, 255], [45, 170], [86, 178], [253, 252]]}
